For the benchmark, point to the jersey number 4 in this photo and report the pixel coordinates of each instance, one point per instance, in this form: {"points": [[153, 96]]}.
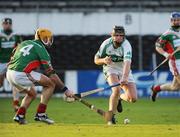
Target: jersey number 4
{"points": [[25, 50]]}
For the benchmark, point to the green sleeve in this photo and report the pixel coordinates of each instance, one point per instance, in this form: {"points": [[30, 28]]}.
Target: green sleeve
{"points": [[44, 58]]}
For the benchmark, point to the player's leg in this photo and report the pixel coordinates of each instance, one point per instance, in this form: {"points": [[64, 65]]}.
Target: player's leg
{"points": [[22, 83], [16, 101], [26, 101], [48, 89], [15, 94], [113, 100], [174, 86], [130, 92]]}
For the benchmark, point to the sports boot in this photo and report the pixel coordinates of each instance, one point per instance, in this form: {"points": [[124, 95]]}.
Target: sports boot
{"points": [[43, 117]]}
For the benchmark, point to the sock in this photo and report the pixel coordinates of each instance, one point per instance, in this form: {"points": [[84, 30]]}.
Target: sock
{"points": [[41, 108], [21, 111], [15, 102], [157, 88]]}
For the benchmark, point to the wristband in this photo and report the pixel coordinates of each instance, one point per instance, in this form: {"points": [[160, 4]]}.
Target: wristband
{"points": [[165, 54], [64, 89]]}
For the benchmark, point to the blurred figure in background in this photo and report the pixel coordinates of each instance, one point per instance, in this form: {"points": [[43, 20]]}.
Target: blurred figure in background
{"points": [[166, 44], [21, 74], [115, 55], [8, 41]]}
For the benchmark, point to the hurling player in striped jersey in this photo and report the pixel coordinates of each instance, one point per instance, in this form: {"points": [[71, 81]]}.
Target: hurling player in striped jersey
{"points": [[166, 44]]}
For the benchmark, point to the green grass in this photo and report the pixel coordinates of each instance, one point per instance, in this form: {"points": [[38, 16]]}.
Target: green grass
{"points": [[159, 119]]}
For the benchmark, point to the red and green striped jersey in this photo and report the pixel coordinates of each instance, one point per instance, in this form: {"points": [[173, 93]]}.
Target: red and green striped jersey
{"points": [[30, 55], [169, 41], [7, 44]]}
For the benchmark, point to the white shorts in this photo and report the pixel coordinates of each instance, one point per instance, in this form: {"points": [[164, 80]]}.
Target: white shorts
{"points": [[3, 68], [110, 71], [174, 66], [21, 80]]}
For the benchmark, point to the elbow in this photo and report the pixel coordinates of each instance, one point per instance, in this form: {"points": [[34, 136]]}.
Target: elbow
{"points": [[95, 61]]}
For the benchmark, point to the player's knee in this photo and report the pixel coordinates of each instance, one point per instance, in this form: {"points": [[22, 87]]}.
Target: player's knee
{"points": [[174, 88], [115, 93], [51, 85], [32, 95]]}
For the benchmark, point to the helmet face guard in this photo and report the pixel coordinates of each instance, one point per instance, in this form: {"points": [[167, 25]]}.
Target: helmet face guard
{"points": [[45, 36]]}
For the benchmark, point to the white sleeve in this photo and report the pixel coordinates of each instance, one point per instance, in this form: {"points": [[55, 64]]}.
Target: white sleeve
{"points": [[127, 51], [101, 50], [176, 43]]}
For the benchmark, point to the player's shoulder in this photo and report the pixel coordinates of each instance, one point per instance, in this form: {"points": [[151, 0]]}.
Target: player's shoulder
{"points": [[107, 42], [32, 42], [2, 33], [167, 33], [36, 43], [12, 34], [126, 43]]}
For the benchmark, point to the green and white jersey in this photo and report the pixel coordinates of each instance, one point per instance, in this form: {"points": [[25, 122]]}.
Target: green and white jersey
{"points": [[169, 41], [30, 55], [7, 44], [118, 55]]}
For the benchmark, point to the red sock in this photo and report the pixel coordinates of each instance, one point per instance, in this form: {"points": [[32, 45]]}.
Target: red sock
{"points": [[21, 111], [157, 88], [41, 108], [15, 102]]}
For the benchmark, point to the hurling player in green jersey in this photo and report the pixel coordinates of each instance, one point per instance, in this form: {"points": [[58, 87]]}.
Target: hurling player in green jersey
{"points": [[21, 74], [115, 55], [166, 44], [8, 41]]}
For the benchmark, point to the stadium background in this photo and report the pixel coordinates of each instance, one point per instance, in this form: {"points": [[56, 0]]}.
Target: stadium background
{"points": [[79, 28]]}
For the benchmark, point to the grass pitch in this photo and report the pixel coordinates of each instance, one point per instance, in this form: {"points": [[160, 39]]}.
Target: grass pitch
{"points": [[159, 119]]}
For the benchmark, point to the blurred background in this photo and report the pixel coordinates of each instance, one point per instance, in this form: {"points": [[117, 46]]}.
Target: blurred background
{"points": [[80, 26]]}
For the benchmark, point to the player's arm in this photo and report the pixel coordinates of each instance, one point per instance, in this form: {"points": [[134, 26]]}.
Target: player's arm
{"points": [[55, 78], [160, 43], [126, 70], [127, 63], [50, 72], [162, 52], [100, 57], [101, 61]]}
